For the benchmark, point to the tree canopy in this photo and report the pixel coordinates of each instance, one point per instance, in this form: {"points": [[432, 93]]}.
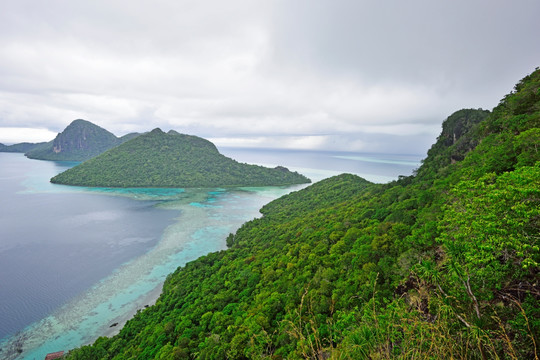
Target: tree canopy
{"points": [[158, 159], [442, 264]]}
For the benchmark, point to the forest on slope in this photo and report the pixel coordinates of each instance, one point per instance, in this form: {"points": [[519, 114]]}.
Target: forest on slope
{"points": [[441, 264], [19, 147], [159, 159]]}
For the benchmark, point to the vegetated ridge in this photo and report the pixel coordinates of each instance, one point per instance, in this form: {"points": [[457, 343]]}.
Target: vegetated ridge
{"points": [[80, 141], [20, 147], [441, 264], [158, 159]]}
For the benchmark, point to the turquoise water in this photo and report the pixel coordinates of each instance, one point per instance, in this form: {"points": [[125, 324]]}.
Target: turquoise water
{"points": [[201, 221], [189, 223], [201, 228]]}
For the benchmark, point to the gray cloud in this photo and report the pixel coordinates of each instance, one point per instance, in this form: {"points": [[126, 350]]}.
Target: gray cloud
{"points": [[341, 75]]}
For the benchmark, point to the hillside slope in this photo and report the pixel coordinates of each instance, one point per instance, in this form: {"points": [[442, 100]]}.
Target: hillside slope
{"points": [[443, 264], [20, 147], [159, 159], [80, 141]]}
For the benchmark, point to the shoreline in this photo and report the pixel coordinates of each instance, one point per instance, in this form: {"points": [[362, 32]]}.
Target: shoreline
{"points": [[141, 304]]}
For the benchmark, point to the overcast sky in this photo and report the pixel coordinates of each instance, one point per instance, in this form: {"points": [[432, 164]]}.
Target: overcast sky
{"points": [[365, 76]]}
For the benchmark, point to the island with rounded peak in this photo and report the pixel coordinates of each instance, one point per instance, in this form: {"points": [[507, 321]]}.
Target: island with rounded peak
{"points": [[81, 140], [159, 159]]}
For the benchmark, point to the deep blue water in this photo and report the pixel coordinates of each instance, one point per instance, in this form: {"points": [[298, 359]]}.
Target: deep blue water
{"points": [[75, 260], [54, 244]]}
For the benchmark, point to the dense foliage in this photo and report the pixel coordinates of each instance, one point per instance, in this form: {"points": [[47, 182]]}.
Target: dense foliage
{"points": [[20, 147], [159, 159], [443, 264], [80, 140]]}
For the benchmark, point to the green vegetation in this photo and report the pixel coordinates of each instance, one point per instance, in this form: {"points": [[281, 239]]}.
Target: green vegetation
{"points": [[442, 264], [20, 147], [80, 140], [159, 159], [127, 137]]}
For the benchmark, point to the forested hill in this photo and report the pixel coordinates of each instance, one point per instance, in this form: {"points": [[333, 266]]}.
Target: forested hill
{"points": [[443, 264], [20, 147], [159, 159], [80, 140]]}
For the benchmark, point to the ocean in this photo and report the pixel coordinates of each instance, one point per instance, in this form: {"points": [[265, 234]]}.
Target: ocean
{"points": [[76, 261]]}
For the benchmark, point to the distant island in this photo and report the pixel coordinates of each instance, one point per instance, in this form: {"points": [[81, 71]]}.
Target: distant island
{"points": [[20, 147], [159, 159], [81, 140]]}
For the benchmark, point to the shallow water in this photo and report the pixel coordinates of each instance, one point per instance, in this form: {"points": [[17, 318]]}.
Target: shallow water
{"points": [[84, 259], [56, 243]]}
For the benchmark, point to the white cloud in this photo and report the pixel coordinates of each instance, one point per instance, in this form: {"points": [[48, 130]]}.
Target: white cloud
{"points": [[14, 135], [283, 142], [303, 74]]}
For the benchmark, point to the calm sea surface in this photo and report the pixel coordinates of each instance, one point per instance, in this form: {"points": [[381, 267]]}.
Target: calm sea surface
{"points": [[74, 261]]}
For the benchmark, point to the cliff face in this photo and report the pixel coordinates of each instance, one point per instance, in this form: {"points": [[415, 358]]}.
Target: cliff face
{"points": [[80, 141], [458, 137], [459, 124], [82, 135]]}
